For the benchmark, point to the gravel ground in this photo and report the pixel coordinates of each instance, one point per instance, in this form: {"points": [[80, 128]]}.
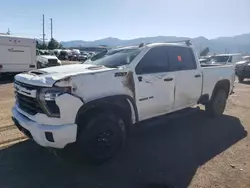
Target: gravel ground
{"points": [[185, 150]]}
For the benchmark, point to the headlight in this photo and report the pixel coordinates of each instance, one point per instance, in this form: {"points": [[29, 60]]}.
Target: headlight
{"points": [[47, 98], [44, 63]]}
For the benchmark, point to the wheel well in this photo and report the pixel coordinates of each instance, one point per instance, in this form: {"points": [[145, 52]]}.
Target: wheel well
{"points": [[222, 84], [119, 107]]}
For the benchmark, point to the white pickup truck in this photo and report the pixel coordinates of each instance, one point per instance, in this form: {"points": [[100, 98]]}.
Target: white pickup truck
{"points": [[94, 104], [46, 58]]}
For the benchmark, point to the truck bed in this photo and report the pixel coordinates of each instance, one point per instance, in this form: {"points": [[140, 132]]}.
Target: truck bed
{"points": [[211, 65], [214, 73]]}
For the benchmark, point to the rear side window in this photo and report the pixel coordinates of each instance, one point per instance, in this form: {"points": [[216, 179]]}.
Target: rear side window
{"points": [[181, 58], [154, 61]]}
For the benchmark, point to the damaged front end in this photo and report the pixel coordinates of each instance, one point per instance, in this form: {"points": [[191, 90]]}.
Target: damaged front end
{"points": [[47, 105], [47, 114]]}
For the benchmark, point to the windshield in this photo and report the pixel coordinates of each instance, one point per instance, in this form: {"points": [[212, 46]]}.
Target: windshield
{"points": [[63, 53], [83, 53], [221, 59], [247, 58], [114, 58], [47, 53]]}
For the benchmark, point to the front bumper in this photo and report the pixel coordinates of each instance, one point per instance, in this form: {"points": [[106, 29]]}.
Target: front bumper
{"points": [[56, 136], [243, 71]]}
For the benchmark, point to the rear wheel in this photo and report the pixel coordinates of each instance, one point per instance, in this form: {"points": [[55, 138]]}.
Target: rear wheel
{"points": [[241, 79], [217, 104], [103, 137]]}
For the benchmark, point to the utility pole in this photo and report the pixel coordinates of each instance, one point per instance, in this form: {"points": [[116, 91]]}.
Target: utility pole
{"points": [[43, 32], [51, 28]]}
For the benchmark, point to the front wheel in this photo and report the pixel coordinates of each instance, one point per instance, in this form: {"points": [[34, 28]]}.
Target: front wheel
{"points": [[217, 104], [103, 137]]}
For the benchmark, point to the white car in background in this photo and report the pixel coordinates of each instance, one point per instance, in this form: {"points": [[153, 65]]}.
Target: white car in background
{"points": [[46, 58], [227, 58]]}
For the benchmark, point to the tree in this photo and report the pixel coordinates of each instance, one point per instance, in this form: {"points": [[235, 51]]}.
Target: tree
{"points": [[204, 52], [41, 46], [53, 44], [60, 46]]}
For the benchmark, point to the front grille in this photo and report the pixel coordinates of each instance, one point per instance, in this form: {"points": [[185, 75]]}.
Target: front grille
{"points": [[28, 104], [32, 105], [247, 68], [52, 62], [27, 86]]}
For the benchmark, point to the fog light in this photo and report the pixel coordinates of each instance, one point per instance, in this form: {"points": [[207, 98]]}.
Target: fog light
{"points": [[49, 136]]}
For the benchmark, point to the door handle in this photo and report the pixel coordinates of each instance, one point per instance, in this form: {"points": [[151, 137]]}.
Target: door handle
{"points": [[168, 79], [197, 76]]}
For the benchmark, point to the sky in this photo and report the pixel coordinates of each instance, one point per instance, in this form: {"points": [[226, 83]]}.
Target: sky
{"points": [[125, 19]]}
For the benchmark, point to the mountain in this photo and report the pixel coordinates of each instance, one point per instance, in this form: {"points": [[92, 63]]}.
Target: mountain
{"points": [[239, 43]]}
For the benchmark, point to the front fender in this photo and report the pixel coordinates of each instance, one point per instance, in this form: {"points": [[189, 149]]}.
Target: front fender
{"points": [[115, 100]]}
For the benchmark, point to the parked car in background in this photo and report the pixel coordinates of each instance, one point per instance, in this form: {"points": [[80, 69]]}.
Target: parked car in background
{"points": [[95, 104], [91, 54], [206, 59], [242, 68], [17, 54], [57, 52], [83, 56], [64, 55], [47, 58], [203, 61], [226, 58], [75, 55]]}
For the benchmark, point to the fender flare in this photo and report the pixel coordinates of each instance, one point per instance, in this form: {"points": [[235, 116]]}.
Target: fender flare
{"points": [[110, 100], [225, 83]]}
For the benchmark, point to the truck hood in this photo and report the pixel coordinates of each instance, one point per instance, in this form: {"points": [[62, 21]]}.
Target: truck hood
{"points": [[48, 76], [241, 62], [48, 56]]}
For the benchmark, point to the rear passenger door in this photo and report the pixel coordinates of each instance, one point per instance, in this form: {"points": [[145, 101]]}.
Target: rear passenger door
{"points": [[188, 78]]}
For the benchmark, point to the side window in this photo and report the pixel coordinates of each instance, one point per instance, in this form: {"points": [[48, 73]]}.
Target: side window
{"points": [[181, 58], [230, 59], [154, 61]]}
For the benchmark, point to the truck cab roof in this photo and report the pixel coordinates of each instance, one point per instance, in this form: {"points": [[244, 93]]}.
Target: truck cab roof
{"points": [[228, 54], [166, 44]]}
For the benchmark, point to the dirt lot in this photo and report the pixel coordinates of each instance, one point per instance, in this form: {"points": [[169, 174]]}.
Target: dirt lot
{"points": [[188, 150]]}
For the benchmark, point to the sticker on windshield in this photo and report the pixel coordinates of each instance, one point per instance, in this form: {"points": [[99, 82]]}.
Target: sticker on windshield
{"points": [[179, 58]]}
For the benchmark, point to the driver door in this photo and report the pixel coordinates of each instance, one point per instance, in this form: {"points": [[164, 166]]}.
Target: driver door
{"points": [[154, 84]]}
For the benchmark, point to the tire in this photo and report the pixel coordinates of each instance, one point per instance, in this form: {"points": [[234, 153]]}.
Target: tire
{"points": [[217, 105], [241, 79], [103, 137]]}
